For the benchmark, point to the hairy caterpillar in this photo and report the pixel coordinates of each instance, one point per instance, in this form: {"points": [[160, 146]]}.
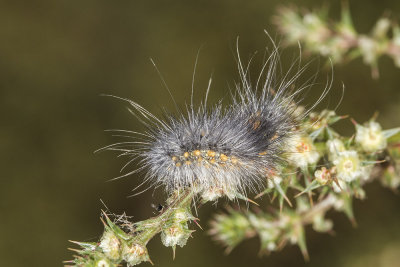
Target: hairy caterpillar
{"points": [[221, 150]]}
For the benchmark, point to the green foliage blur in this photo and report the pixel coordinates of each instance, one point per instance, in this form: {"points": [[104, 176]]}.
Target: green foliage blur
{"points": [[58, 57]]}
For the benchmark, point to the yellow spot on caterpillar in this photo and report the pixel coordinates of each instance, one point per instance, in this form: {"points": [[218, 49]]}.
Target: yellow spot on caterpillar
{"points": [[188, 162], [212, 161], [223, 157], [197, 153], [256, 124], [274, 137], [210, 153], [178, 164], [174, 158], [254, 120], [186, 154], [263, 153], [234, 160], [199, 159]]}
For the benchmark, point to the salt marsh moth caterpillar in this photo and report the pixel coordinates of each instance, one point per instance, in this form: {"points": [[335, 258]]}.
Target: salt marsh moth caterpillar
{"points": [[221, 150]]}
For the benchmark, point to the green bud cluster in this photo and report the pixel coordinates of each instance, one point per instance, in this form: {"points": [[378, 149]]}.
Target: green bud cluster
{"points": [[118, 245], [176, 230], [339, 40]]}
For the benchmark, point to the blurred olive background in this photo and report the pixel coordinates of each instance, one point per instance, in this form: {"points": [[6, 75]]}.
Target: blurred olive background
{"points": [[57, 57]]}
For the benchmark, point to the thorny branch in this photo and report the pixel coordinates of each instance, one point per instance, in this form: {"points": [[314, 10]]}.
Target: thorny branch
{"points": [[327, 172]]}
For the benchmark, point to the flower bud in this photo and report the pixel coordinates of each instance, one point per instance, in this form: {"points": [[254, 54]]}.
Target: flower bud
{"points": [[230, 229], [103, 263], [348, 166], [323, 176], [396, 43], [182, 216], [334, 146], [381, 28], [320, 224], [134, 254], [390, 178], [212, 194], [370, 137], [302, 152], [175, 235], [369, 49], [268, 233], [110, 245], [215, 192]]}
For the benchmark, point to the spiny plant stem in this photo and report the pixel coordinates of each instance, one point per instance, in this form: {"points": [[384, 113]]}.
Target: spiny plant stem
{"points": [[322, 207], [118, 246], [339, 40]]}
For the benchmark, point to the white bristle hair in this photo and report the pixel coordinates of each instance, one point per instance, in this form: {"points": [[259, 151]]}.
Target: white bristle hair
{"points": [[232, 147]]}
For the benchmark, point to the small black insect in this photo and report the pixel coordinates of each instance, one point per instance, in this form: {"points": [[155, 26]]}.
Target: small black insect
{"points": [[158, 207]]}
